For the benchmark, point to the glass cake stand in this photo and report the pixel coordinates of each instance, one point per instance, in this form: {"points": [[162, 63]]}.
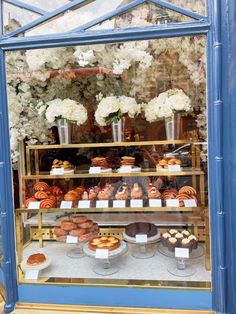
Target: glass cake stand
{"points": [[142, 250], [181, 267], [77, 251], [106, 267]]}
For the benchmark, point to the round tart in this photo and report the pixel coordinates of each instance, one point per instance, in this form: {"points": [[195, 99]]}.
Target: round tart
{"points": [[105, 242], [36, 259]]}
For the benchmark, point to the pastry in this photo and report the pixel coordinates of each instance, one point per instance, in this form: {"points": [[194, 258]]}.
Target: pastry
{"points": [[92, 195], [59, 232], [179, 236], [169, 194], [47, 203], [173, 232], [104, 242], [78, 219], [100, 162], [164, 237], [40, 195], [104, 194], [186, 233], [194, 241], [136, 191], [66, 165], [36, 259], [41, 186], [68, 225], [77, 232], [188, 190], [71, 196], [55, 190], [163, 162], [87, 224], [127, 161], [122, 193], [141, 228], [153, 192], [88, 236], [186, 243], [171, 243], [85, 196]]}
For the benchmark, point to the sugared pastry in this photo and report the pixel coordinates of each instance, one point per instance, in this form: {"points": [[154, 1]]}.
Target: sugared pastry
{"points": [[71, 196], [88, 236], [194, 241], [188, 190], [171, 243], [40, 195], [104, 194], [36, 259], [68, 225], [179, 236], [86, 225], [105, 242], [55, 190], [141, 228], [60, 232], [186, 233], [41, 186], [47, 203], [164, 237], [153, 192], [122, 193], [173, 232], [29, 200], [186, 243], [77, 232], [78, 219], [85, 196], [136, 191]]}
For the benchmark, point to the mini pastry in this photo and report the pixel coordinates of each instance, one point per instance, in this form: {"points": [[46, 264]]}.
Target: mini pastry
{"points": [[179, 236], [171, 243], [60, 232], [47, 203], [186, 243], [136, 191], [164, 237], [92, 195], [36, 259], [122, 193], [77, 232], [104, 194], [41, 186], [173, 232], [186, 233], [40, 195], [194, 241], [85, 196], [68, 225], [188, 190], [153, 192], [163, 162]]}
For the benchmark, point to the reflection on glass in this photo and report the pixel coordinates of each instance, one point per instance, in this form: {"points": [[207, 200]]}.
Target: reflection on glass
{"points": [[128, 187]]}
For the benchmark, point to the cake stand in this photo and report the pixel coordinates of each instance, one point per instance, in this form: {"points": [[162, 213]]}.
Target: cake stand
{"points": [[106, 267], [182, 267], [77, 251], [142, 250]]}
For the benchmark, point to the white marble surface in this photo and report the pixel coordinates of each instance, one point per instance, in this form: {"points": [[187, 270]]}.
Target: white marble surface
{"points": [[130, 268]]}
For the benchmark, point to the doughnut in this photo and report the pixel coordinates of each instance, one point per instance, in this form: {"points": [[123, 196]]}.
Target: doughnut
{"points": [[41, 195], [47, 203], [187, 190], [77, 232], [87, 224], [59, 232], [79, 219], [41, 186], [68, 225]]}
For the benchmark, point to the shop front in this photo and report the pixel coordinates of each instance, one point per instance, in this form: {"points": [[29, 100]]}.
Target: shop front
{"points": [[114, 142]]}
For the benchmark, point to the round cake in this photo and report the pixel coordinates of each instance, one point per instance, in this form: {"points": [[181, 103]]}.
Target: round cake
{"points": [[141, 228], [36, 259], [104, 242]]}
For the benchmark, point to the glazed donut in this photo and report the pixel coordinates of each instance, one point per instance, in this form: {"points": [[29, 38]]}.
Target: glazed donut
{"points": [[68, 225], [47, 203], [55, 190], [28, 200], [187, 190], [41, 186], [87, 224], [41, 195], [77, 232], [59, 232], [79, 219]]}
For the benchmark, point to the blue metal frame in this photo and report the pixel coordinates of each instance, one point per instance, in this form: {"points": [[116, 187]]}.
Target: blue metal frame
{"points": [[211, 26]]}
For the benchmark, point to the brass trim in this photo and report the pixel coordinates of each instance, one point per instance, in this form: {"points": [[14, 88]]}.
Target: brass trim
{"points": [[111, 144], [21, 308]]}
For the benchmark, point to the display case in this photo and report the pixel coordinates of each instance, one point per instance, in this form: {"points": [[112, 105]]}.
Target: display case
{"points": [[113, 212]]}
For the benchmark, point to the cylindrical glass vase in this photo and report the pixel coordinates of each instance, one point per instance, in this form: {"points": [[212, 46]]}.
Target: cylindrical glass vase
{"points": [[64, 131], [172, 126], [118, 130]]}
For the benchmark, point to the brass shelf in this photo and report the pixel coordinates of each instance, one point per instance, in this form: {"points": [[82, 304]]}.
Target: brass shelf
{"points": [[113, 210], [110, 144], [115, 174]]}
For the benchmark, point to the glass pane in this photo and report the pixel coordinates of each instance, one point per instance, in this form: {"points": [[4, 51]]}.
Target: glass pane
{"points": [[132, 182], [198, 6], [47, 5]]}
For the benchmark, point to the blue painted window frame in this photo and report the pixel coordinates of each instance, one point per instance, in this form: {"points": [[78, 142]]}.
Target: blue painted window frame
{"points": [[209, 26]]}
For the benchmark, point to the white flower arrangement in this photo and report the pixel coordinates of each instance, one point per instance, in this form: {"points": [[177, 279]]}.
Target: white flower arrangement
{"points": [[166, 104], [64, 109], [112, 108]]}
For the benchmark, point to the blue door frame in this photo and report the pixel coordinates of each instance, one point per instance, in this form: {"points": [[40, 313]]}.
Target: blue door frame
{"points": [[220, 23]]}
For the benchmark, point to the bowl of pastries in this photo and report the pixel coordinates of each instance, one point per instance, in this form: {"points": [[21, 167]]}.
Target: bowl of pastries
{"points": [[66, 166]]}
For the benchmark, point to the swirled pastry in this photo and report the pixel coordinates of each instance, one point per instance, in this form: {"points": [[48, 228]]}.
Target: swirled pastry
{"points": [[41, 186]]}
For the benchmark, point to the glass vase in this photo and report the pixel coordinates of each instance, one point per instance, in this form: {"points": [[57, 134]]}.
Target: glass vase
{"points": [[64, 131], [172, 126], [118, 130]]}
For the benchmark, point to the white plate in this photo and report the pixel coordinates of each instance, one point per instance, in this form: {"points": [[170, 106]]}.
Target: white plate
{"points": [[65, 172], [41, 266], [134, 169], [108, 170]]}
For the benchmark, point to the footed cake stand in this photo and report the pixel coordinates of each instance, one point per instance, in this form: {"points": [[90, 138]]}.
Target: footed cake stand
{"points": [[182, 267], [142, 250], [106, 267], [77, 251]]}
